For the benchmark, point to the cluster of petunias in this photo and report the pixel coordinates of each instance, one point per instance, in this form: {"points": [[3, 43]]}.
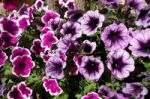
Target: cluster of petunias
{"points": [[63, 45]]}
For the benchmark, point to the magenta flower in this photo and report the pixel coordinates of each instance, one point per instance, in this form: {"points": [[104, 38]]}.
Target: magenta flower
{"points": [[55, 24], [88, 46], [10, 26], [91, 68], [91, 95], [7, 40], [72, 29], [45, 30], [51, 86], [23, 22], [91, 21], [22, 66], [10, 4], [14, 93], [69, 4], [36, 47], [140, 44], [48, 40], [18, 51], [55, 67], [3, 57], [20, 91], [115, 37], [26, 91], [39, 5], [120, 63], [135, 89], [77, 59], [49, 15]]}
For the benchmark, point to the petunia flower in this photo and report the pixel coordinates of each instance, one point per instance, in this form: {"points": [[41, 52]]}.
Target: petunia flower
{"points": [[91, 95], [91, 21], [39, 5], [91, 68], [45, 30], [10, 26], [104, 91], [143, 18], [10, 4], [55, 24], [88, 46], [3, 57], [49, 15], [48, 40], [114, 95], [22, 66], [115, 37], [19, 51], [20, 91], [23, 22], [7, 40], [14, 93], [73, 15], [72, 29], [69, 4], [140, 44], [120, 63], [36, 47], [51, 86], [135, 89], [25, 91], [55, 67], [137, 4]]}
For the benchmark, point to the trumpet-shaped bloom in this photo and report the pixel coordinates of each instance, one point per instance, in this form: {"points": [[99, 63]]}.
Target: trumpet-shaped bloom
{"points": [[88, 47], [22, 66], [91, 21], [91, 68], [115, 36], [140, 44], [120, 63], [91, 95], [51, 86]]}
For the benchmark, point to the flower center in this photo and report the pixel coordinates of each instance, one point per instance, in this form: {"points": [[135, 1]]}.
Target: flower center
{"points": [[93, 23]]}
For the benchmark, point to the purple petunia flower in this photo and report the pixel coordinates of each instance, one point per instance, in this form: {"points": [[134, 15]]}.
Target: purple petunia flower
{"points": [[48, 40], [25, 91], [143, 18], [54, 67], [137, 4], [135, 89], [140, 44], [49, 15], [8, 40], [45, 30], [3, 57], [91, 95], [114, 95], [51, 86], [108, 2], [36, 47], [69, 4], [91, 68], [14, 93], [73, 15], [104, 90], [22, 66], [10, 4], [23, 22], [77, 59], [2, 89], [18, 51], [20, 91], [72, 29], [88, 46], [115, 37], [10, 26], [55, 24], [91, 21], [39, 5], [120, 63]]}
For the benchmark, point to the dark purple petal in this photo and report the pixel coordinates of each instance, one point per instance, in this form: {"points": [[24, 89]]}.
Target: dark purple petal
{"points": [[10, 4], [3, 57]]}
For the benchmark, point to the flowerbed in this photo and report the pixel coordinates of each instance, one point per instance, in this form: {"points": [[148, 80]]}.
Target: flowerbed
{"points": [[101, 53]]}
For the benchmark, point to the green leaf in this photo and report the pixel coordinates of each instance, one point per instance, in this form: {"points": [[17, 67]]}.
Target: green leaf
{"points": [[62, 96]]}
